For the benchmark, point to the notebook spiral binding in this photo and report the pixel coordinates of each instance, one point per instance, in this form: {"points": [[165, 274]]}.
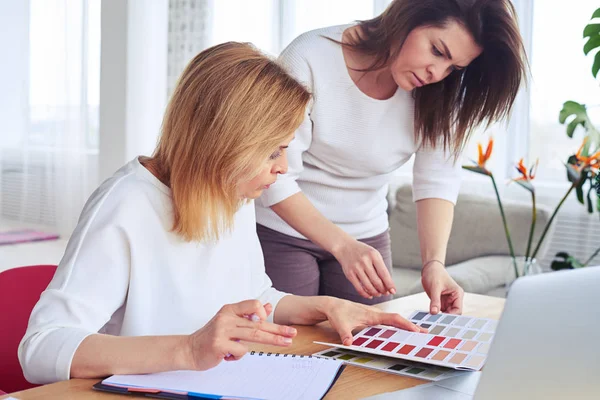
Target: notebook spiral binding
{"points": [[269, 354]]}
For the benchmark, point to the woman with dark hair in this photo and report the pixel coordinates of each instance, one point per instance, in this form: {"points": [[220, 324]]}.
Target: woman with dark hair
{"points": [[415, 80]]}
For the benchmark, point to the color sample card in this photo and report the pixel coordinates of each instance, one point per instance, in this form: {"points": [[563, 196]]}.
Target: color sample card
{"points": [[454, 341], [390, 365]]}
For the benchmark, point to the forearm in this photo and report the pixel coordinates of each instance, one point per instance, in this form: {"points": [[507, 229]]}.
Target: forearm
{"points": [[301, 215], [302, 310], [103, 355], [434, 223]]}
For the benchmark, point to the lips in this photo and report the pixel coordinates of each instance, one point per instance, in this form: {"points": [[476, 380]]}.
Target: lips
{"points": [[419, 81]]}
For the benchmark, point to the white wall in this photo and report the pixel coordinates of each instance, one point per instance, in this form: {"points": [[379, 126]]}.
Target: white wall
{"points": [[133, 79]]}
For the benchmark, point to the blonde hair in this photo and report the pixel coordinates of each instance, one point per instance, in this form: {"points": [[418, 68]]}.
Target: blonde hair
{"points": [[232, 107]]}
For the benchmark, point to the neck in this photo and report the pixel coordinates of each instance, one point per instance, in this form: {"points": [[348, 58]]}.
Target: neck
{"points": [[378, 84], [152, 165]]}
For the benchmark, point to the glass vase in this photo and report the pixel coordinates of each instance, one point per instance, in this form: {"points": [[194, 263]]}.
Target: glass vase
{"points": [[524, 268]]}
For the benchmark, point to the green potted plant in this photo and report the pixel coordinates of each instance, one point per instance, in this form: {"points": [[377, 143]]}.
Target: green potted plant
{"points": [[586, 161]]}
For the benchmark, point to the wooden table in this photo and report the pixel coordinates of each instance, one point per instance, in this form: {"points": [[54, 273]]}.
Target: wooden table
{"points": [[354, 383]]}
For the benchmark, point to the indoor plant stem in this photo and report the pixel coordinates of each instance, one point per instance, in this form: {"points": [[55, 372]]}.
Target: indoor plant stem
{"points": [[506, 231], [535, 251], [591, 257]]}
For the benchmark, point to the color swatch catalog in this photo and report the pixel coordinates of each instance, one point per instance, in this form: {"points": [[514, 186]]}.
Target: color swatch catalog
{"points": [[452, 341]]}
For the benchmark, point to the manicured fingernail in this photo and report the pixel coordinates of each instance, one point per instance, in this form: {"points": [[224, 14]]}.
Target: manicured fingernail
{"points": [[393, 291], [290, 331], [254, 318], [287, 340], [434, 310]]}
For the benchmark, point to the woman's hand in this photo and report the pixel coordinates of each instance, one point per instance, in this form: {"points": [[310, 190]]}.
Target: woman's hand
{"points": [[365, 269], [223, 337], [345, 315], [444, 292]]}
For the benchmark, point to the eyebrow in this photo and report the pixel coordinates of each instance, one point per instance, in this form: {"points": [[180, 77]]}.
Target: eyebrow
{"points": [[448, 54], [446, 50]]}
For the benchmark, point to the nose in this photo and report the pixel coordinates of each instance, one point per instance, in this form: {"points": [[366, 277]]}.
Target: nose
{"points": [[281, 165], [435, 73]]}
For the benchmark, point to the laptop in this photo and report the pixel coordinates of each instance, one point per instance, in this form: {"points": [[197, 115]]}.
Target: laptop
{"points": [[546, 346]]}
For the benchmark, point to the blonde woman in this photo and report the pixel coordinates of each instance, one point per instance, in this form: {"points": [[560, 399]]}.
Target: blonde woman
{"points": [[164, 270]]}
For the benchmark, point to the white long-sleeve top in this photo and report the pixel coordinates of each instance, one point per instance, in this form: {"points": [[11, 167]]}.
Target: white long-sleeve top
{"points": [[125, 273], [349, 145]]}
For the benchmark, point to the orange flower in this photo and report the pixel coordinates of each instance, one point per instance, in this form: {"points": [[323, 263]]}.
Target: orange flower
{"points": [[592, 161], [526, 175], [483, 158]]}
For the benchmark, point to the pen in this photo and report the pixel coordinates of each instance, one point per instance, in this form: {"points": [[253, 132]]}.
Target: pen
{"points": [[251, 317]]}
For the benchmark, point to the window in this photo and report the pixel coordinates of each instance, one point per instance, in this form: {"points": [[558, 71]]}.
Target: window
{"points": [[273, 24], [560, 72], [245, 21], [49, 143]]}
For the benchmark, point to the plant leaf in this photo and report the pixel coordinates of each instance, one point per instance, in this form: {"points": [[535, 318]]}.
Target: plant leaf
{"points": [[579, 192], [591, 44], [562, 254], [575, 263], [591, 30], [570, 107], [558, 265], [575, 110], [596, 65], [596, 13], [590, 206], [478, 169]]}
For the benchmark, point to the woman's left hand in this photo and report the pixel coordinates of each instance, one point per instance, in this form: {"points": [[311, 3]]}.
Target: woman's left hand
{"points": [[445, 294], [345, 316]]}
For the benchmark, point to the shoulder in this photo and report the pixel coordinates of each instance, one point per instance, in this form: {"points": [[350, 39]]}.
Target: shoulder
{"points": [[312, 53], [308, 43], [124, 196]]}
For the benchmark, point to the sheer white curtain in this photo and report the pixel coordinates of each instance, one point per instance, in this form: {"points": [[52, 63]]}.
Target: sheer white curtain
{"points": [[49, 140], [189, 27]]}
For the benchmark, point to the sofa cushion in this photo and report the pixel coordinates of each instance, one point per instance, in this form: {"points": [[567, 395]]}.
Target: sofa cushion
{"points": [[406, 281], [477, 229], [480, 275]]}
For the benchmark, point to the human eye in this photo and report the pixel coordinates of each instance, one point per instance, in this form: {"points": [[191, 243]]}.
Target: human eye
{"points": [[275, 155], [436, 52]]}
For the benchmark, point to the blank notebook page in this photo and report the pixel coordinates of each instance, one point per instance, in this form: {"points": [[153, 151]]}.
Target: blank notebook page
{"points": [[254, 376]]}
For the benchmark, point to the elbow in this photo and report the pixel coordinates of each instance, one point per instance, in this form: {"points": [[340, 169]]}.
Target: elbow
{"points": [[33, 370], [45, 356]]}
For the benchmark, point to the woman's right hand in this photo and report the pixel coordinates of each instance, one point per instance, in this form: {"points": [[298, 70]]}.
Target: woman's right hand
{"points": [[365, 269], [223, 337]]}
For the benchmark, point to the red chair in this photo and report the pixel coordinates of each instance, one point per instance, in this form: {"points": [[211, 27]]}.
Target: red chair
{"points": [[20, 289]]}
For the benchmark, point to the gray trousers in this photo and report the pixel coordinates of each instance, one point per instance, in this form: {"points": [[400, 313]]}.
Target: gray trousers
{"points": [[300, 267]]}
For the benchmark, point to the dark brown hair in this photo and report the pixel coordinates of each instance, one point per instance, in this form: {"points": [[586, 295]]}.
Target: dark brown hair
{"points": [[232, 108], [447, 111]]}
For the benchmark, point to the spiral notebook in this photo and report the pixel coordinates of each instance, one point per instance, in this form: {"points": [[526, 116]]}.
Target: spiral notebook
{"points": [[257, 375]]}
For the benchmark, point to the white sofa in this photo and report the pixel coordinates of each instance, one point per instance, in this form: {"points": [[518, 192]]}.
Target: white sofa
{"points": [[478, 256]]}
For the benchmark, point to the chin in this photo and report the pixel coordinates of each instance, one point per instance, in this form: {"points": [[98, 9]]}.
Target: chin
{"points": [[404, 84], [407, 88], [254, 195]]}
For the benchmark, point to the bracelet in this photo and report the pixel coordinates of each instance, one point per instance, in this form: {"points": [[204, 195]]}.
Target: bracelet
{"points": [[431, 261]]}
